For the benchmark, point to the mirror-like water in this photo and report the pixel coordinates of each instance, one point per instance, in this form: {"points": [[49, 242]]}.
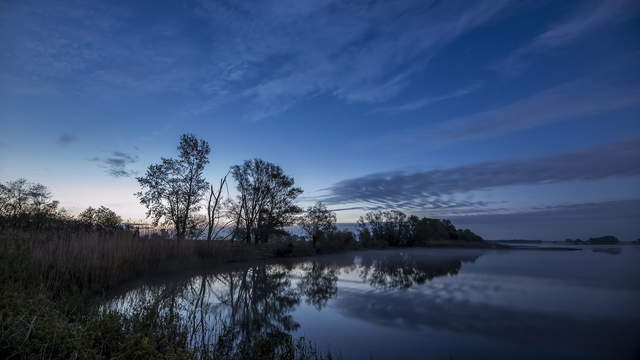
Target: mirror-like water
{"points": [[420, 304]]}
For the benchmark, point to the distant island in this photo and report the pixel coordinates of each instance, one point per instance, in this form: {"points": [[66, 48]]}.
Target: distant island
{"points": [[602, 240], [520, 241]]}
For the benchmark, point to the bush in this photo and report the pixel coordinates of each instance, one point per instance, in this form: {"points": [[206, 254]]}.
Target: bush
{"points": [[336, 241]]}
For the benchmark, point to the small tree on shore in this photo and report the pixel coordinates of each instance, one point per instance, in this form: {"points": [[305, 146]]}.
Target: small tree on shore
{"points": [[102, 218], [317, 221], [173, 189]]}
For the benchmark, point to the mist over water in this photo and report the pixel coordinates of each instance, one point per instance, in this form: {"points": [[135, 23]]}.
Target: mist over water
{"points": [[417, 304]]}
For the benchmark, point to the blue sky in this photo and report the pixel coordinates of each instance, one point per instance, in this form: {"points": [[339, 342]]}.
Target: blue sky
{"points": [[517, 119]]}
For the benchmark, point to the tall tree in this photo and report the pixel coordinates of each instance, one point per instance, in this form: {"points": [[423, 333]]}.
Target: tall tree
{"points": [[265, 201], [317, 222], [173, 189]]}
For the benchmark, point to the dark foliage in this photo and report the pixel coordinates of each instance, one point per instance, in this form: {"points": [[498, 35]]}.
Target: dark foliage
{"points": [[393, 228]]}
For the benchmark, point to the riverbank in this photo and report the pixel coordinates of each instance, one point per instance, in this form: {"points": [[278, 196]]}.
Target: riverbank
{"points": [[52, 282]]}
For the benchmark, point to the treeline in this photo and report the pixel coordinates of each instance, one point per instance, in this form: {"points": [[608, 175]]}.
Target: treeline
{"points": [[28, 206], [175, 189], [394, 228], [602, 240], [177, 195]]}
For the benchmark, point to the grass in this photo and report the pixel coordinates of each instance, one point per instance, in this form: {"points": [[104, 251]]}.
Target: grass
{"points": [[52, 281]]}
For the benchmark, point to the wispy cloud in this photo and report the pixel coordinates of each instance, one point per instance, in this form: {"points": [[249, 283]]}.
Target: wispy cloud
{"points": [[66, 139], [610, 90], [429, 100], [116, 164], [357, 52], [557, 222], [588, 18], [614, 86], [266, 56], [431, 188]]}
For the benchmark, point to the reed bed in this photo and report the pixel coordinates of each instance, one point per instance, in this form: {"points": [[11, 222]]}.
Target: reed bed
{"points": [[51, 282], [90, 263]]}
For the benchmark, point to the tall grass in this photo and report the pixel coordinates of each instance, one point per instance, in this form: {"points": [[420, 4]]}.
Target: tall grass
{"points": [[50, 282], [89, 263]]}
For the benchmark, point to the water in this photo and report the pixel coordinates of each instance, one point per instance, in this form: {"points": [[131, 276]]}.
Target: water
{"points": [[423, 303]]}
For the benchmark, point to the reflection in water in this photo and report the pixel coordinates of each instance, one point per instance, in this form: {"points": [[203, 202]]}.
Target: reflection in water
{"points": [[240, 306], [229, 310], [608, 250], [319, 283], [403, 270]]}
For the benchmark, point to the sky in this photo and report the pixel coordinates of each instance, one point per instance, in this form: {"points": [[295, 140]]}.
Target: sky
{"points": [[515, 119]]}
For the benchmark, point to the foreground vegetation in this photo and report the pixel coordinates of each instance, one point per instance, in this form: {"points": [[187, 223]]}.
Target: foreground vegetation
{"points": [[52, 284]]}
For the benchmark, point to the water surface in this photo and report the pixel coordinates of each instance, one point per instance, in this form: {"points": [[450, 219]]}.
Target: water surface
{"points": [[421, 304]]}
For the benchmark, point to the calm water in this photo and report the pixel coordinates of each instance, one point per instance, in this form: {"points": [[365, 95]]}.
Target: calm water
{"points": [[422, 304]]}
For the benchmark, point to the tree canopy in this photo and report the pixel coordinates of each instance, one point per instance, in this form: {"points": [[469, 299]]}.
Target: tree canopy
{"points": [[102, 218], [173, 189], [266, 199], [394, 228], [317, 221]]}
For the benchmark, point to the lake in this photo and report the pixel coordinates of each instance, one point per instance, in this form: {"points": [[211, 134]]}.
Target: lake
{"points": [[420, 303]]}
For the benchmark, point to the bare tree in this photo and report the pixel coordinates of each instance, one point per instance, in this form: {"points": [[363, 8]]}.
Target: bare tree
{"points": [[317, 221], [215, 211], [172, 190], [265, 201]]}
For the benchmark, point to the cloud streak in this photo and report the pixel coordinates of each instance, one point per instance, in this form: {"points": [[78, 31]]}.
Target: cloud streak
{"points": [[558, 222], [424, 102], [426, 189], [591, 16], [607, 91], [613, 87], [116, 164]]}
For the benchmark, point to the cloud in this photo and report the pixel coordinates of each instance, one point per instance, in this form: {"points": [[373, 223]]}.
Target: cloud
{"points": [[557, 222], [593, 211], [607, 91], [356, 52], [614, 86], [93, 46], [66, 139], [266, 56], [591, 16], [116, 165], [434, 189], [424, 102]]}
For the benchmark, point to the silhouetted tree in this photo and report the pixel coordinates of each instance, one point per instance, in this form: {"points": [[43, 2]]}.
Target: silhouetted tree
{"points": [[386, 227], [265, 201], [317, 221], [27, 205], [20, 197], [393, 228], [102, 218], [216, 219], [173, 189]]}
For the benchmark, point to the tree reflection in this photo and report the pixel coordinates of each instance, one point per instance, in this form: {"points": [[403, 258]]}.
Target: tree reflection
{"points": [[226, 313], [259, 300], [319, 284], [404, 271]]}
